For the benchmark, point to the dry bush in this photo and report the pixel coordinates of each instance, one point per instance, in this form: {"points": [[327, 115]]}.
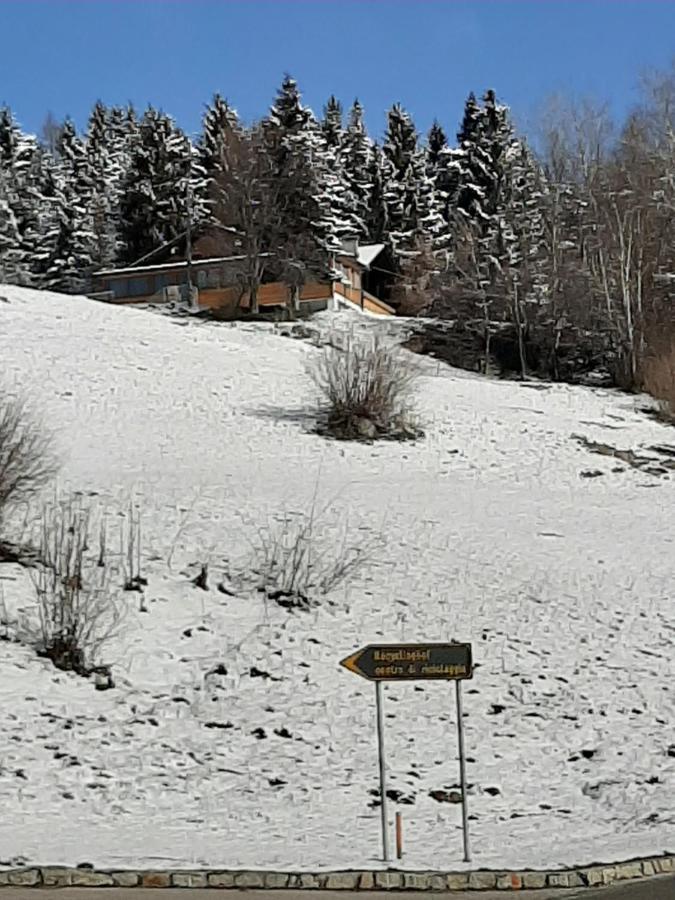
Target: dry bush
{"points": [[27, 462], [658, 378], [78, 609], [295, 567], [368, 389]]}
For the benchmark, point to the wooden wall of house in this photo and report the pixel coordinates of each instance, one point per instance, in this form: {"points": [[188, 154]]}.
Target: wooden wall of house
{"points": [[373, 305], [274, 294], [364, 299]]}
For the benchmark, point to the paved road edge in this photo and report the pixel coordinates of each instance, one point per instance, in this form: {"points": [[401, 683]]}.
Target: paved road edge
{"points": [[391, 879]]}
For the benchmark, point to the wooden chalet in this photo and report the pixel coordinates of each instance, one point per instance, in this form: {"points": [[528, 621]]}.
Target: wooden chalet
{"points": [[363, 280]]}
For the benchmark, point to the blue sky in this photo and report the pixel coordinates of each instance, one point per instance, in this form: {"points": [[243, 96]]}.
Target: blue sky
{"points": [[61, 55]]}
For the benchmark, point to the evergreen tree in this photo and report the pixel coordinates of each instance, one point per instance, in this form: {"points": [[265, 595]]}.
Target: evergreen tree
{"points": [[12, 261], [436, 143], [307, 193], [378, 175], [498, 227], [484, 138], [123, 132], [331, 125], [105, 167], [355, 157], [471, 120], [22, 170], [10, 136], [413, 209], [220, 130], [69, 240], [155, 188], [521, 249]]}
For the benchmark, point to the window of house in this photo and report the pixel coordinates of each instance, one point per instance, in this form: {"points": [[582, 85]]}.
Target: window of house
{"points": [[138, 286], [120, 287]]}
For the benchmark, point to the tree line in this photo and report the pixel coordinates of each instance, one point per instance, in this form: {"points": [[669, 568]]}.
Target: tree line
{"points": [[561, 258]]}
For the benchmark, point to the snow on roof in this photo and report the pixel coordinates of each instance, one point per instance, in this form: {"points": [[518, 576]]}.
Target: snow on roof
{"points": [[365, 254], [368, 252], [179, 264]]}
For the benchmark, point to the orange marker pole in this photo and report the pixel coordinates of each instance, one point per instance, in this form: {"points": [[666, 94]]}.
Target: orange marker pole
{"points": [[399, 836]]}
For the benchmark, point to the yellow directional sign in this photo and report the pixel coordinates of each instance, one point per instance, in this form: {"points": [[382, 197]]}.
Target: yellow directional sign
{"points": [[411, 662]]}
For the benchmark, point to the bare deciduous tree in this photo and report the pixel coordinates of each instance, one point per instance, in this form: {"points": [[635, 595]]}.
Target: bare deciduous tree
{"points": [[27, 461], [245, 198]]}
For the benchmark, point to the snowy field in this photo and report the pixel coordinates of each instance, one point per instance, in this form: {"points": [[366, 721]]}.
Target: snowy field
{"points": [[563, 583]]}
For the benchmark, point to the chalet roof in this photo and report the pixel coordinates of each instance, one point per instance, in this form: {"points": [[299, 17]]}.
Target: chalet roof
{"points": [[365, 254], [368, 253], [163, 267]]}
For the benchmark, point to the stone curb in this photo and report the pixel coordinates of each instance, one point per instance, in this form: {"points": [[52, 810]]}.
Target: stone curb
{"points": [[357, 880]]}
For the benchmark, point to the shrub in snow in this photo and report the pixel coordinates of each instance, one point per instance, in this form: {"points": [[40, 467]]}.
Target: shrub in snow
{"points": [[26, 460], [368, 391], [295, 566], [78, 610]]}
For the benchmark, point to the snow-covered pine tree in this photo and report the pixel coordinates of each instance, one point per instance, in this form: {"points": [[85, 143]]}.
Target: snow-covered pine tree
{"points": [[12, 263], [22, 167], [413, 208], [154, 196], [401, 151], [521, 247], [484, 138], [123, 132], [220, 120], [220, 130], [355, 159], [521, 209], [495, 187], [471, 120], [344, 207], [308, 195], [10, 136], [379, 174], [69, 240], [443, 169], [105, 165]]}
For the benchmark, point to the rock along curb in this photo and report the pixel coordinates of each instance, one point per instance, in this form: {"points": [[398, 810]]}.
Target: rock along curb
{"points": [[382, 880]]}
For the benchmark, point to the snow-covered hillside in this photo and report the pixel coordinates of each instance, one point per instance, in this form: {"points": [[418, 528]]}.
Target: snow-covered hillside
{"points": [[563, 584]]}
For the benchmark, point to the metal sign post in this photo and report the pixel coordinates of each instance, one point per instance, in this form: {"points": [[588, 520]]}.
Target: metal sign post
{"points": [[414, 662], [462, 770], [383, 772]]}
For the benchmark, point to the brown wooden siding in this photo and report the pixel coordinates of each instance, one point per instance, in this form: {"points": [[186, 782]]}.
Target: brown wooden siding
{"points": [[349, 292], [274, 294], [375, 305], [316, 291], [365, 300]]}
